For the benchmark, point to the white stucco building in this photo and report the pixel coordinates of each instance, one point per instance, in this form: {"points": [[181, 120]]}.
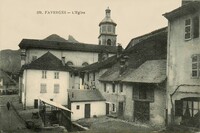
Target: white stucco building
{"points": [[46, 77], [86, 104]]}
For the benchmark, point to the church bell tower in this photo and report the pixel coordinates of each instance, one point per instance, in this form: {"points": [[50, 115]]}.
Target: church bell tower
{"points": [[107, 30]]}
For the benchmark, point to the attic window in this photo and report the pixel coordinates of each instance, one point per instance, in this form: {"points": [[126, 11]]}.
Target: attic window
{"points": [[69, 63]]}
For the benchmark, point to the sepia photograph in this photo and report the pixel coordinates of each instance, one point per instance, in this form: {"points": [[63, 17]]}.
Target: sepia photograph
{"points": [[99, 66]]}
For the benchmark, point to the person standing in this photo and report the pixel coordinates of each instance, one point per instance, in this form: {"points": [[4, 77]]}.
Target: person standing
{"points": [[8, 105]]}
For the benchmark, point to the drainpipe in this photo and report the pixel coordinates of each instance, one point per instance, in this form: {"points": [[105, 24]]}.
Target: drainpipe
{"points": [[171, 95], [25, 90]]}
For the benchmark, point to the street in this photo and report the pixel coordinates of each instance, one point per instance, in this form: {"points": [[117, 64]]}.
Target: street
{"points": [[9, 121]]}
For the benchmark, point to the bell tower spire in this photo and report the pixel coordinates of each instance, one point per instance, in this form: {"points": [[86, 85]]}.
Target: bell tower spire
{"points": [[107, 34]]}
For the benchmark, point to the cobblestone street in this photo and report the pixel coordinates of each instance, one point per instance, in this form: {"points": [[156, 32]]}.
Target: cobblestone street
{"points": [[9, 121]]}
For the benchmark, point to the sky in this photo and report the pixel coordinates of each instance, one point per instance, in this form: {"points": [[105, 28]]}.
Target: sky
{"points": [[20, 19]]}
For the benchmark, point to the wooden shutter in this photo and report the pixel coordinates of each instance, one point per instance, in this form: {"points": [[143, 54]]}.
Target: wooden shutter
{"points": [[178, 108], [135, 93]]}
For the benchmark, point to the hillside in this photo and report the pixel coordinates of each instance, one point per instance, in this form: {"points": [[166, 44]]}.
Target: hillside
{"points": [[10, 60]]}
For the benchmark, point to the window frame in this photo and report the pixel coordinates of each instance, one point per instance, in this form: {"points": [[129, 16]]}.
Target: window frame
{"points": [[197, 63], [44, 74], [43, 88], [56, 88], [56, 75], [188, 26]]}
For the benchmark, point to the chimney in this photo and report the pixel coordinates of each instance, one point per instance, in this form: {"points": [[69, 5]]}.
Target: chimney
{"points": [[119, 50], [123, 63], [63, 61]]}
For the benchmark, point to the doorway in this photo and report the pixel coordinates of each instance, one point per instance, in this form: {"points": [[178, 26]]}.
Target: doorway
{"points": [[87, 110], [107, 108], [142, 111], [121, 108], [35, 103]]}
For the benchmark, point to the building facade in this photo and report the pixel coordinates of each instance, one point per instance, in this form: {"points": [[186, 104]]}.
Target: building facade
{"points": [[183, 69], [46, 77]]}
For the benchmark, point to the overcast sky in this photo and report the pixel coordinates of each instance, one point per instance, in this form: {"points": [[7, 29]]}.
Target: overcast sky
{"points": [[19, 19]]}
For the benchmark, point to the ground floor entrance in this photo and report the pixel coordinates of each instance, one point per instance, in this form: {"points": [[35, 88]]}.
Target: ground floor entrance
{"points": [[87, 110], [141, 111], [189, 110]]}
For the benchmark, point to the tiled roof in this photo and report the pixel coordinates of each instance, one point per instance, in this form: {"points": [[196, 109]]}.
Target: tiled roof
{"points": [[100, 65], [153, 34], [152, 71], [111, 74], [76, 95], [43, 44], [186, 9], [47, 61]]}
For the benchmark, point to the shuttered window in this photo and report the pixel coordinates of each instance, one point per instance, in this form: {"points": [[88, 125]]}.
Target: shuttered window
{"points": [[56, 88], [43, 88]]}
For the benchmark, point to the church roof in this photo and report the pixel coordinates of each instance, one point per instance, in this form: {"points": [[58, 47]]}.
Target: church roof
{"points": [[47, 61], [70, 46], [100, 65]]}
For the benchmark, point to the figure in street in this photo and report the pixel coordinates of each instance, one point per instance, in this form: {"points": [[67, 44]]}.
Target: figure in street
{"points": [[8, 105]]}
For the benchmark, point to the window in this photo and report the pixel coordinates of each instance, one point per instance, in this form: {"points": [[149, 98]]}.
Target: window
{"points": [[69, 63], [195, 66], [103, 28], [77, 107], [109, 28], [85, 64], [109, 42], [56, 75], [56, 88], [113, 88], [142, 94], [121, 87], [104, 87], [44, 74], [192, 28], [34, 58], [113, 107], [43, 88], [187, 29]]}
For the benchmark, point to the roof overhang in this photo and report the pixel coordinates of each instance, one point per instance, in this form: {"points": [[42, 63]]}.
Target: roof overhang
{"points": [[58, 105], [190, 8]]}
